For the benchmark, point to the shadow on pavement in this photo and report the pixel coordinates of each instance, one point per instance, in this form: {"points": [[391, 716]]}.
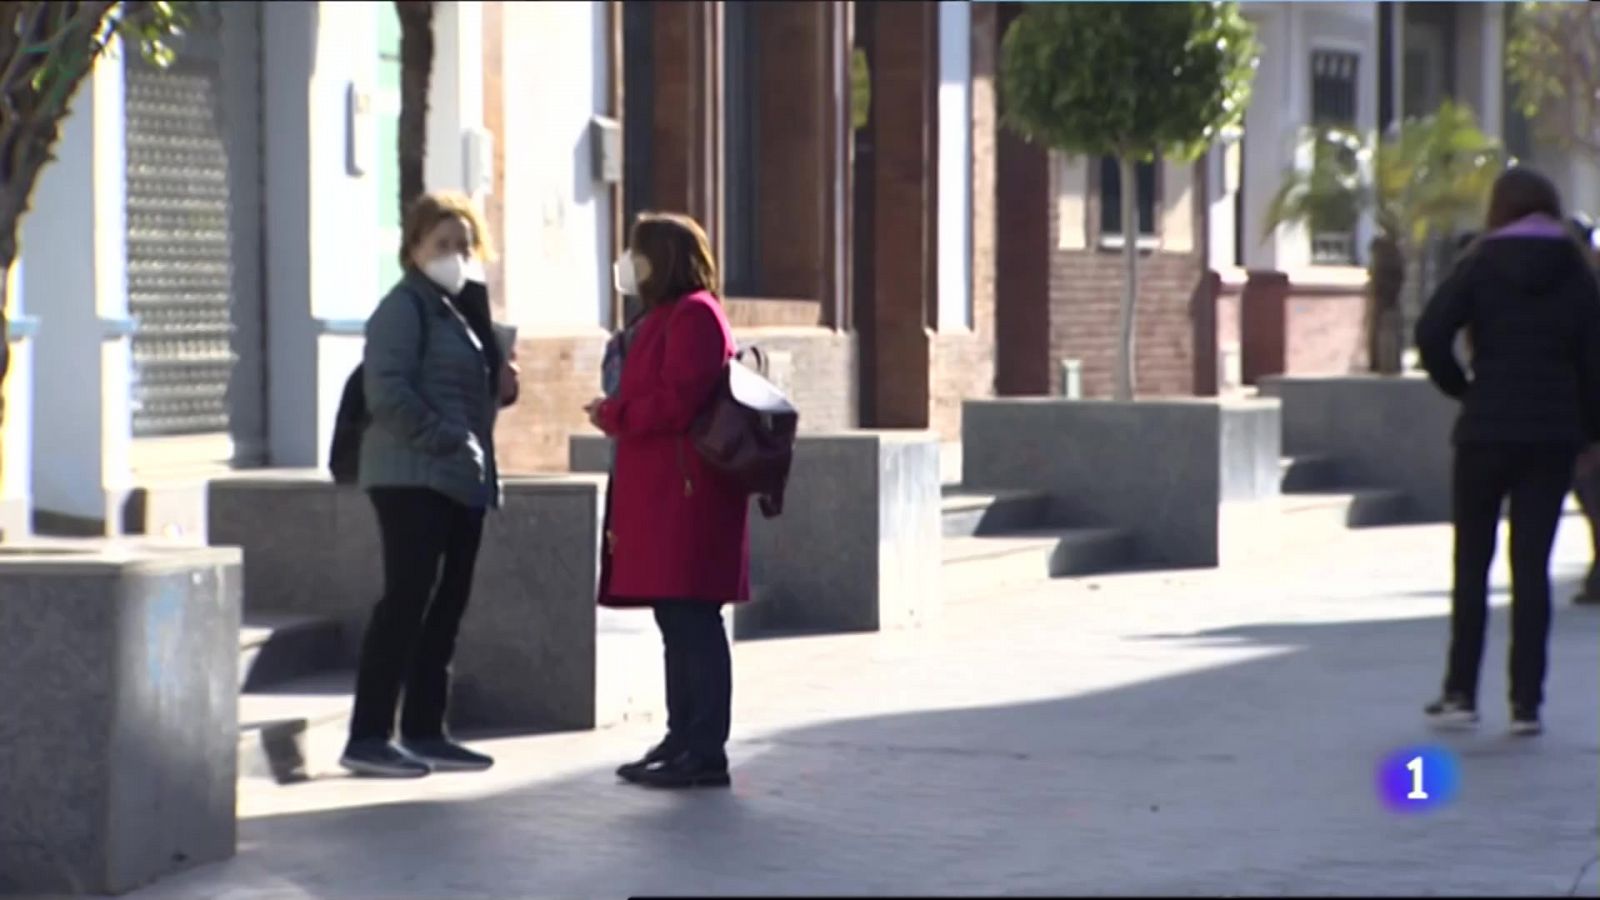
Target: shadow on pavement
{"points": [[1248, 771]]}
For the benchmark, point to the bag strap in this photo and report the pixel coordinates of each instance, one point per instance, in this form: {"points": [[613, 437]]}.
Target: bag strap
{"points": [[422, 323], [759, 355]]}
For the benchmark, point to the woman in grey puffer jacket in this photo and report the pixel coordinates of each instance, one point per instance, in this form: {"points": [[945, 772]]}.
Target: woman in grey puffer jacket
{"points": [[435, 375]]}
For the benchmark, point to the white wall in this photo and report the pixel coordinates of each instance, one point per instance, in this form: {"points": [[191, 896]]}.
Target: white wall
{"points": [[1281, 107], [557, 216], [78, 289], [455, 95], [955, 166], [322, 235]]}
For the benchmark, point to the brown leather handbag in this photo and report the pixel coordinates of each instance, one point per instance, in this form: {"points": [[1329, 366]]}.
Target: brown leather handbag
{"points": [[747, 430]]}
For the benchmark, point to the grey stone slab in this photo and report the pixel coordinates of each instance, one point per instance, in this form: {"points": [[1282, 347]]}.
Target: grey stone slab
{"points": [[1384, 431], [1157, 468], [857, 547], [1252, 449], [591, 453], [526, 655], [119, 663], [526, 658]]}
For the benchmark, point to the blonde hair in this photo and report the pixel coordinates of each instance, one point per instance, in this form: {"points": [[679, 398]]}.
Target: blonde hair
{"points": [[428, 210]]}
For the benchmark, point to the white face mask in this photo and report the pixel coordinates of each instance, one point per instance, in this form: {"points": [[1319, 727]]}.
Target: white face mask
{"points": [[448, 272], [625, 276]]}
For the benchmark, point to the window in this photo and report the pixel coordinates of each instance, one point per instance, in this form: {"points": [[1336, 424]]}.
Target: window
{"points": [[1334, 94], [1334, 87], [742, 128], [1111, 198]]}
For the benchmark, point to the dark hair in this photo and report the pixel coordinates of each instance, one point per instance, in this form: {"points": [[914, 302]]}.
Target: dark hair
{"points": [[1520, 192], [681, 261]]}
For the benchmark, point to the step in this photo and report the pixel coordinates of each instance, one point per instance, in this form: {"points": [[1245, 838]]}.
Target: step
{"points": [[1308, 473], [278, 647], [1357, 508], [986, 564], [968, 513], [296, 727]]}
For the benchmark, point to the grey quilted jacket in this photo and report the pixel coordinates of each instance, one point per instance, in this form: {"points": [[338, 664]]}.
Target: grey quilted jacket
{"points": [[431, 396]]}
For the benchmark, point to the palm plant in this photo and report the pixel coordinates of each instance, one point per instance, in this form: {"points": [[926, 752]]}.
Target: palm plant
{"points": [[1425, 179]]}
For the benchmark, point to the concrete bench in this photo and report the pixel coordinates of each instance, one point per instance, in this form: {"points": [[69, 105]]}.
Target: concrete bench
{"points": [[1382, 431], [1159, 469], [119, 665], [534, 650], [858, 545]]}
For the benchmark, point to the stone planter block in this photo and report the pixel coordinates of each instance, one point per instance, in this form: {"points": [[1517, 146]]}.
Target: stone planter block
{"points": [[527, 655], [1252, 449], [589, 453], [1156, 468], [118, 747], [1383, 431], [858, 545]]}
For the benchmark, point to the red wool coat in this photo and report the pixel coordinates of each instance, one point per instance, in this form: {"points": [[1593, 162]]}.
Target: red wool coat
{"points": [[676, 530]]}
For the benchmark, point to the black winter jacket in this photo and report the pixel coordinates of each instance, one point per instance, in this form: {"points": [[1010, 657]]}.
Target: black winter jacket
{"points": [[1530, 305]]}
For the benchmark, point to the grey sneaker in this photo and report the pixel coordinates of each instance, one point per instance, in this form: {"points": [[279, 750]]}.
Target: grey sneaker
{"points": [[381, 759], [445, 755], [1525, 721], [1452, 709]]}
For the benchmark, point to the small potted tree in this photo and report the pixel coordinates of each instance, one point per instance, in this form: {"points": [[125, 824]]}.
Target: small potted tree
{"points": [[1136, 82]]}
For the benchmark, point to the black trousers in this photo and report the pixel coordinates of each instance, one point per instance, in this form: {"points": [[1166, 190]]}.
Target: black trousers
{"points": [[430, 546], [1536, 478], [699, 676]]}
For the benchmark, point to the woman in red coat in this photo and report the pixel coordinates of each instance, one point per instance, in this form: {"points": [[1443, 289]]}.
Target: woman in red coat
{"points": [[677, 536]]}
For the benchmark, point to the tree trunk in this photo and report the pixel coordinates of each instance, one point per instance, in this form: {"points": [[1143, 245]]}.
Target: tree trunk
{"points": [[1386, 284], [416, 72], [1127, 348]]}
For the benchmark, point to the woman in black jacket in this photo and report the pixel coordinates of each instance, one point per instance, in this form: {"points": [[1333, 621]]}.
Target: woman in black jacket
{"points": [[1529, 302]]}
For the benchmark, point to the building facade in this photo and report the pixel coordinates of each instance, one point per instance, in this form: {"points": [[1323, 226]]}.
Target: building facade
{"points": [[201, 256], [244, 221]]}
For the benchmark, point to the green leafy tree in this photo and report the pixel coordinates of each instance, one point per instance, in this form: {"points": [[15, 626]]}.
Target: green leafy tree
{"points": [[416, 74], [1133, 81], [1553, 59], [1428, 178], [47, 49]]}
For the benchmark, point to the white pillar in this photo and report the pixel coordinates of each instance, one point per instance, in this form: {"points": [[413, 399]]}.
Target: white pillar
{"points": [[1490, 68], [1273, 128], [16, 476], [322, 246], [456, 138], [955, 166], [76, 280], [557, 215]]}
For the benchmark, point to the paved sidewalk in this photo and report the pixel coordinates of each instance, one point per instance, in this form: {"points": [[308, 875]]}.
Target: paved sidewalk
{"points": [[1174, 733]]}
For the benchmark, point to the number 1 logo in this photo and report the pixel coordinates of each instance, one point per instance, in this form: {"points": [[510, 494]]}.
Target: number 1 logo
{"points": [[1415, 767]]}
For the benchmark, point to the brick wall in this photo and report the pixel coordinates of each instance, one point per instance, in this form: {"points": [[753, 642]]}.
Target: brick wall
{"points": [[821, 372], [1302, 326], [562, 373], [559, 375], [1085, 297]]}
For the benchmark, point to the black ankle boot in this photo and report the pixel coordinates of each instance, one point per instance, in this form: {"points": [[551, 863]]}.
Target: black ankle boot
{"points": [[687, 769], [660, 753]]}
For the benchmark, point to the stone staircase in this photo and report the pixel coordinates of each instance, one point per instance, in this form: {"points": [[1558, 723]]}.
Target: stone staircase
{"points": [[997, 539], [295, 694], [1316, 486]]}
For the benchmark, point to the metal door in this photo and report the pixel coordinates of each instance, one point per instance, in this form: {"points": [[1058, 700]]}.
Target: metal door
{"points": [[194, 222]]}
